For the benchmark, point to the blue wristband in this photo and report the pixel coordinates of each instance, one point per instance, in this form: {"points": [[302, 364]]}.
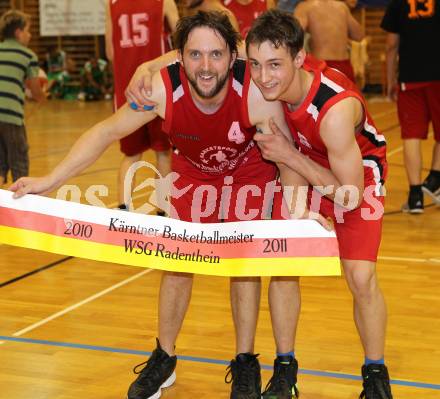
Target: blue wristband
{"points": [[146, 107]]}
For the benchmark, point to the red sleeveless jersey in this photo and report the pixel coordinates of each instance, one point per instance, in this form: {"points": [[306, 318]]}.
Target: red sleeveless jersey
{"points": [[137, 27], [329, 87], [246, 14], [214, 143]]}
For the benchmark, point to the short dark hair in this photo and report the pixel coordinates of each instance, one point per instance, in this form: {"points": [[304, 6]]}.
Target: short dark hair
{"points": [[214, 20], [278, 27], [10, 21]]}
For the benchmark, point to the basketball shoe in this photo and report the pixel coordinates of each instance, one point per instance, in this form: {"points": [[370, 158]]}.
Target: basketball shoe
{"points": [[244, 373], [158, 373], [282, 385], [376, 382]]}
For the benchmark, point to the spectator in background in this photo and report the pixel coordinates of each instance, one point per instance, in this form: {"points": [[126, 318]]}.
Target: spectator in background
{"points": [[18, 65], [246, 11], [57, 71], [287, 5], [412, 27], [330, 25], [192, 7], [95, 80], [134, 32]]}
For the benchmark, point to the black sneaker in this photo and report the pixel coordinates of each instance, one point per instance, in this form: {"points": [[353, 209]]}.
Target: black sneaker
{"points": [[282, 385], [244, 373], [376, 382], [431, 186], [415, 201], [158, 373]]}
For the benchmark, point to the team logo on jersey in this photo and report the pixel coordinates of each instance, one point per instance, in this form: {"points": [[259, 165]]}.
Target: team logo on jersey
{"points": [[303, 140], [218, 154]]}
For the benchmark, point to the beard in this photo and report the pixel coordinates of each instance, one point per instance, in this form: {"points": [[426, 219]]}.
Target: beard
{"points": [[221, 81]]}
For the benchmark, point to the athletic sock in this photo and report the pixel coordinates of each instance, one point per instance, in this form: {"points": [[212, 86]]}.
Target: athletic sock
{"points": [[371, 361], [285, 355]]}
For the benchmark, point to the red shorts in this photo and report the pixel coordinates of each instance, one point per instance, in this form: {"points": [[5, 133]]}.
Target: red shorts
{"points": [[141, 140], [148, 136], [418, 105], [359, 231], [249, 192], [343, 66]]}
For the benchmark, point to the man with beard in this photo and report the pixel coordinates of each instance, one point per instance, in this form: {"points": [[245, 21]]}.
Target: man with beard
{"points": [[211, 111]]}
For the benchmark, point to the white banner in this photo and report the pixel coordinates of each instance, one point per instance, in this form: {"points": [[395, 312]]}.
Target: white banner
{"points": [[72, 17], [252, 248]]}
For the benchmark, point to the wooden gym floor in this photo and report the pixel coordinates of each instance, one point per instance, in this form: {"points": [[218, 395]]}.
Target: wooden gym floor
{"points": [[76, 328]]}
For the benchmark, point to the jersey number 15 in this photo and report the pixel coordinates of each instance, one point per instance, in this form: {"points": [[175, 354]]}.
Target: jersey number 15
{"points": [[134, 30]]}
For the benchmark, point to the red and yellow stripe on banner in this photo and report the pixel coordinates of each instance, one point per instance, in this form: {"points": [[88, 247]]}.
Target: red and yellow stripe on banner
{"points": [[253, 248]]}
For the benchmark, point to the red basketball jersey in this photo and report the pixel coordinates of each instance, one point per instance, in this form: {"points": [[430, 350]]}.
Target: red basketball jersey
{"points": [[214, 143], [329, 87], [137, 27], [246, 14]]}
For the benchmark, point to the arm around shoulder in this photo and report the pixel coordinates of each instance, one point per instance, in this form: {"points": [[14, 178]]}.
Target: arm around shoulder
{"points": [[140, 87]]}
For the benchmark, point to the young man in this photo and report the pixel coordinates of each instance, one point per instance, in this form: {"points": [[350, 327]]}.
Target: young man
{"points": [[134, 31], [18, 65], [330, 25], [338, 151], [211, 111], [410, 28]]}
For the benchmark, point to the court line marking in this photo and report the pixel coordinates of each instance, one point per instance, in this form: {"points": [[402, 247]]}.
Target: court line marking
{"points": [[318, 373], [395, 151], [32, 272], [78, 304]]}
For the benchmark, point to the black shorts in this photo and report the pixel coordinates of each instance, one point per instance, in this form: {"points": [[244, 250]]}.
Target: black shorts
{"points": [[14, 151]]}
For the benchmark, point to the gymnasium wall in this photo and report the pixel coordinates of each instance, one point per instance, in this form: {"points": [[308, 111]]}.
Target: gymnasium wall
{"points": [[80, 48]]}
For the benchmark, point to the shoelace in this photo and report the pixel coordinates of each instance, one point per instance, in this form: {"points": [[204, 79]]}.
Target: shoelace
{"points": [[229, 374], [241, 379], [148, 374], [135, 368]]}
